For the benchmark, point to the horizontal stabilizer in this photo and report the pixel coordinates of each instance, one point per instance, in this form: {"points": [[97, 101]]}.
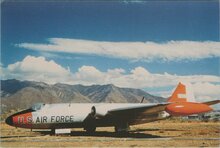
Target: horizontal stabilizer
{"points": [[212, 102]]}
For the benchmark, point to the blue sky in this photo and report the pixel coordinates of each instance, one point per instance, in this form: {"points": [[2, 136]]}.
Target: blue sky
{"points": [[186, 31]]}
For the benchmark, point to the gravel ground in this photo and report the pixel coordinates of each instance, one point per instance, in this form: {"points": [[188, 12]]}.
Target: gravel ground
{"points": [[156, 134]]}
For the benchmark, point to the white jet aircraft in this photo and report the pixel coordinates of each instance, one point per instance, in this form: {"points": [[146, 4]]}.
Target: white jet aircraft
{"points": [[119, 115]]}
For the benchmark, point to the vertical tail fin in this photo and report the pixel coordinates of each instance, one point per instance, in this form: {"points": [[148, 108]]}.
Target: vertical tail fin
{"points": [[182, 93]]}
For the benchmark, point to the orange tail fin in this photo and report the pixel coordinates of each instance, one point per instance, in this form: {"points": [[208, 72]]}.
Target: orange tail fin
{"points": [[179, 95]]}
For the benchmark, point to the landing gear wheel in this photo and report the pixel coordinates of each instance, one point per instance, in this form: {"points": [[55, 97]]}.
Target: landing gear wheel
{"points": [[122, 128], [52, 132], [90, 126], [90, 129]]}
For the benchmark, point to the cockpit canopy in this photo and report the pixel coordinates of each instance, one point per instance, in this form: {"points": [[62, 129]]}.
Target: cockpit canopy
{"points": [[37, 106]]}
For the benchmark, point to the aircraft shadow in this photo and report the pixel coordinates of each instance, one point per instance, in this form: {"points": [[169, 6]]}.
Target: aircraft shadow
{"points": [[137, 133], [155, 129], [115, 135], [108, 134]]}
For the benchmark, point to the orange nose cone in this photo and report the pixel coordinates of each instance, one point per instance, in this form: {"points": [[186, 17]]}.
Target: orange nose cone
{"points": [[22, 120], [187, 108]]}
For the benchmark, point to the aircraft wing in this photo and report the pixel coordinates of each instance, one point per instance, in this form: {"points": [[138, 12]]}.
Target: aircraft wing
{"points": [[138, 114], [212, 102]]}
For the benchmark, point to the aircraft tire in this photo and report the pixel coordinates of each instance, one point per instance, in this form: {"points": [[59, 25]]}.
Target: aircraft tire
{"points": [[122, 128], [90, 129]]}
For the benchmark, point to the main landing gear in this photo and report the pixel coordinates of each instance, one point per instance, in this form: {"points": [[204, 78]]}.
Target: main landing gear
{"points": [[122, 128], [90, 121]]}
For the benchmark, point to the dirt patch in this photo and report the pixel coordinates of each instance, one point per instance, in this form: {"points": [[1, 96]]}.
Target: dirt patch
{"points": [[163, 133]]}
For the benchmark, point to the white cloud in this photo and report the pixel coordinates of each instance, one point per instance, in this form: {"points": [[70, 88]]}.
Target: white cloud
{"points": [[203, 85], [37, 69], [172, 50], [56, 56], [206, 87], [89, 75], [206, 91], [137, 78], [49, 55], [2, 73]]}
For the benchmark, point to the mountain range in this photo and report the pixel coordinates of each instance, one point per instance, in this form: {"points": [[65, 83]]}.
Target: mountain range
{"points": [[16, 94]]}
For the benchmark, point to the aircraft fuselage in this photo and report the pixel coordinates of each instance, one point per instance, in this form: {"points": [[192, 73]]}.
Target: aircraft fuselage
{"points": [[77, 115]]}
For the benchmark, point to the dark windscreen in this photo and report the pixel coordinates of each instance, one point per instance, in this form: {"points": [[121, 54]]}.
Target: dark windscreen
{"points": [[37, 106]]}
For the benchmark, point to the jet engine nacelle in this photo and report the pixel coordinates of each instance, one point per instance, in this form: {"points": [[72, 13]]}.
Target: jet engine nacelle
{"points": [[101, 110], [187, 108]]}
